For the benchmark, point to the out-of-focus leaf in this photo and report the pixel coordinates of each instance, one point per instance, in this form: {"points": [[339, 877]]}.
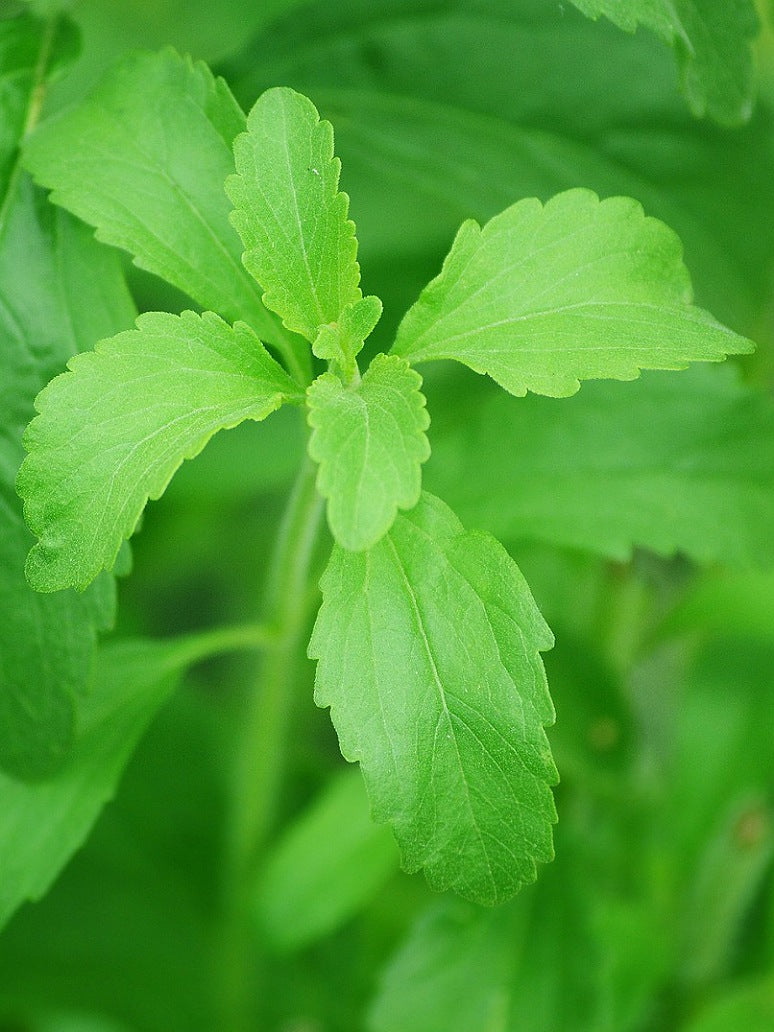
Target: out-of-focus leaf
{"points": [[59, 292], [713, 42], [679, 462], [43, 824], [326, 866], [747, 1006]]}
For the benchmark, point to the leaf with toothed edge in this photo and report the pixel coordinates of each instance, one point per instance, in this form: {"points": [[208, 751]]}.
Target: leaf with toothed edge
{"points": [[299, 243], [112, 431], [429, 659], [545, 296], [370, 442]]}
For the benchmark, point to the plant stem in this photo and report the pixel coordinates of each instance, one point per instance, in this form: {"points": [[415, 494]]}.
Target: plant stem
{"points": [[262, 744]]}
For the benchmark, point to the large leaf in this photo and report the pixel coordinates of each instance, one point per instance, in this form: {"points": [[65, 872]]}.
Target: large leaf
{"points": [[669, 462], [370, 442], [113, 430], [712, 39], [299, 243], [546, 296], [428, 647], [59, 292], [144, 160]]}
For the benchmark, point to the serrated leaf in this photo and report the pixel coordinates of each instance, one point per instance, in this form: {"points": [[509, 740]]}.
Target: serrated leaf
{"points": [[546, 296], [370, 442], [428, 647], [299, 243], [42, 825], [343, 340], [673, 463], [113, 430], [325, 867], [713, 42], [143, 159]]}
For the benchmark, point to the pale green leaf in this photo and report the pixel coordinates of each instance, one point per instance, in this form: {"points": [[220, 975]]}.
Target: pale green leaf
{"points": [[42, 825], [326, 866], [673, 463], [299, 243], [343, 340], [546, 296], [713, 42], [144, 160], [113, 430], [428, 647], [370, 442]]}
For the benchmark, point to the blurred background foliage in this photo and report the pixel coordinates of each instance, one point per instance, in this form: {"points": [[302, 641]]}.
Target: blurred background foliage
{"points": [[658, 913]]}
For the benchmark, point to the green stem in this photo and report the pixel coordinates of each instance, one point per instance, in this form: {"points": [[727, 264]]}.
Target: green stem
{"points": [[194, 647], [262, 745]]}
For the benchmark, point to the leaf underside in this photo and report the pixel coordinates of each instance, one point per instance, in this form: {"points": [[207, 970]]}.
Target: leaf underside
{"points": [[428, 647], [370, 442], [113, 430], [546, 296]]}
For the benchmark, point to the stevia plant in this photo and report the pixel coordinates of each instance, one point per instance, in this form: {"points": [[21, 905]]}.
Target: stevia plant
{"points": [[428, 641]]}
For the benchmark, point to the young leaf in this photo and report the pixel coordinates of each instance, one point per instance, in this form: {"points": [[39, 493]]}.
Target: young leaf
{"points": [[113, 430], [144, 160], [664, 463], [545, 296], [299, 243], [713, 41], [428, 647], [299, 901], [342, 341], [370, 442]]}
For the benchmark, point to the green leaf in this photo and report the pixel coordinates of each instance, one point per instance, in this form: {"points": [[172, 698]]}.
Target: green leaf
{"points": [[299, 243], [666, 463], [544, 102], [144, 160], [59, 292], [113, 430], [428, 647], [325, 868], [30, 51], [545, 296], [745, 1005], [713, 42], [342, 341], [370, 442], [42, 825]]}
